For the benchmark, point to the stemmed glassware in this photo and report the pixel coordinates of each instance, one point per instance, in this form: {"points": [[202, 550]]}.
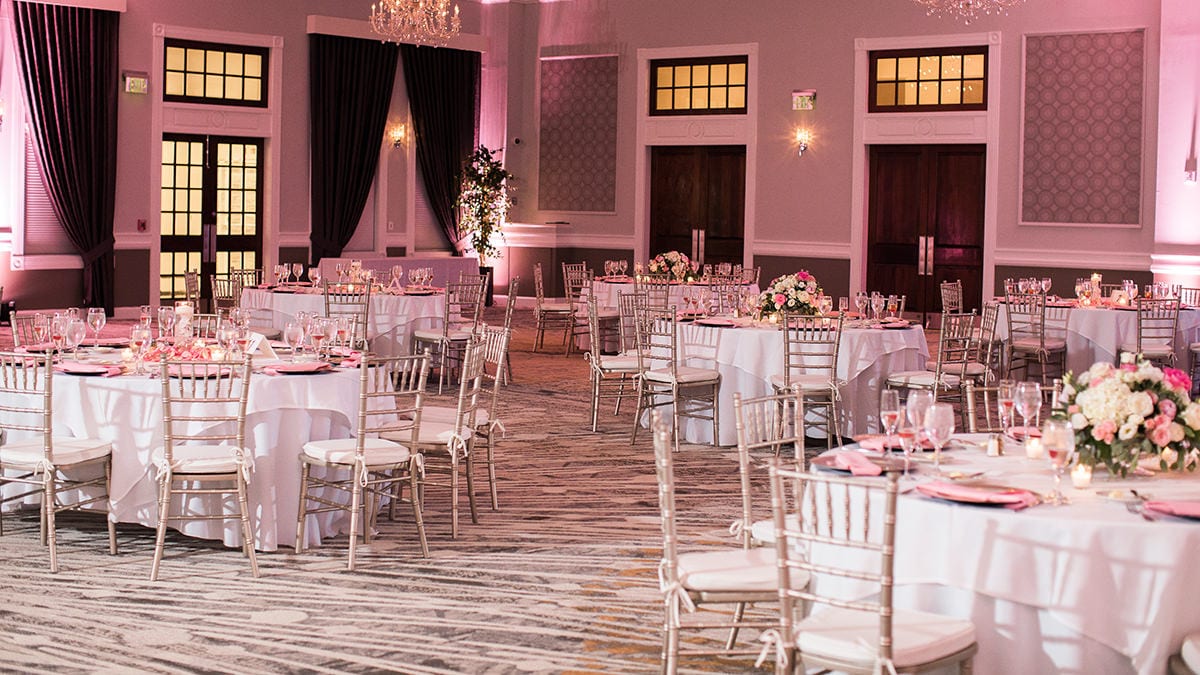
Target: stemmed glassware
{"points": [[293, 335], [622, 266], [96, 320], [938, 428], [877, 305], [1058, 438], [1046, 283], [75, 335], [889, 413], [58, 330], [317, 332], [860, 302], [397, 277], [1028, 399], [41, 328], [297, 271], [1005, 391], [314, 275], [893, 306], [919, 400], [166, 322], [146, 315], [139, 342]]}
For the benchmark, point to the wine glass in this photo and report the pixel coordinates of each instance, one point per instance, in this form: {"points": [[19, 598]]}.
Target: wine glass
{"points": [[76, 333], [1058, 438], [1028, 399], [1046, 283], [623, 265], [166, 321], [40, 327], [843, 304], [340, 269], [938, 427], [96, 319], [317, 333], [226, 334], [824, 304], [877, 305], [1005, 391], [860, 302], [314, 275], [908, 443], [918, 402], [242, 338], [58, 330], [398, 276], [139, 342], [297, 271], [889, 413], [293, 335], [145, 314]]}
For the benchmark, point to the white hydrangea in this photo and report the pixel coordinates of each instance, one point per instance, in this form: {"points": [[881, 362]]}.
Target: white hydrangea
{"points": [[1139, 403]]}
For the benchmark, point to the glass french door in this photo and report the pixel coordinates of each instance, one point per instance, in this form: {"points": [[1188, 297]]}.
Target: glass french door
{"points": [[211, 211]]}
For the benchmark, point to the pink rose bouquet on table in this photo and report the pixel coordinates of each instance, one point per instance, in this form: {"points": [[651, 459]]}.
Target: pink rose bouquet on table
{"points": [[793, 293], [672, 263], [1133, 411], [186, 350]]}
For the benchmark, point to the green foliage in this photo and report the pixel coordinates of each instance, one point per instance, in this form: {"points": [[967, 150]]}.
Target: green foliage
{"points": [[483, 201]]}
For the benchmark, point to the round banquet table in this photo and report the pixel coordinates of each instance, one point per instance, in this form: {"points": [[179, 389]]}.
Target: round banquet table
{"points": [[748, 355], [608, 292], [1095, 334], [1085, 588], [391, 323], [283, 413]]}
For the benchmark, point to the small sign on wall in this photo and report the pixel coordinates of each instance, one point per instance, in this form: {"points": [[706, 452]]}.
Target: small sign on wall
{"points": [[136, 82], [804, 99]]}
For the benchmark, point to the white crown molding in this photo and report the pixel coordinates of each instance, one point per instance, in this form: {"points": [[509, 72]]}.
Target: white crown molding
{"points": [[361, 28], [134, 241], [45, 262], [802, 249], [294, 239], [1064, 258]]}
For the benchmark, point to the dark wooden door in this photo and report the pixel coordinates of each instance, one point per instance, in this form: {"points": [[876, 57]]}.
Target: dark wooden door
{"points": [[698, 188], [925, 222]]}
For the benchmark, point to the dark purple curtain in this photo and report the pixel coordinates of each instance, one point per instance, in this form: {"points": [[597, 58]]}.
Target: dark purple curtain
{"points": [[69, 58], [350, 89], [443, 95]]}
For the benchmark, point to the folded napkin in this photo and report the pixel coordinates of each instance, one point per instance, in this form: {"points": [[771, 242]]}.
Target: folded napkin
{"points": [[77, 368], [298, 367], [857, 463], [1012, 498], [880, 443], [1021, 433], [1186, 508]]}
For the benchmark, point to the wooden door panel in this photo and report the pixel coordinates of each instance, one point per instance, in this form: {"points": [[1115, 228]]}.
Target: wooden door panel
{"points": [[698, 187]]}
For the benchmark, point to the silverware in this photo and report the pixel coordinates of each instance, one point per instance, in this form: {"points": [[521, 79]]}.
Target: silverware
{"points": [[1139, 508]]}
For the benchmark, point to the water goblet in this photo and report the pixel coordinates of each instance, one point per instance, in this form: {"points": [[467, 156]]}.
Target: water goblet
{"points": [[340, 269], [1005, 391], [1046, 284], [860, 302], [314, 275], [293, 335], [919, 400], [298, 271], [139, 342], [877, 305], [890, 413], [166, 321], [398, 276], [938, 427], [1028, 400], [40, 327], [1058, 439], [96, 320], [76, 332]]}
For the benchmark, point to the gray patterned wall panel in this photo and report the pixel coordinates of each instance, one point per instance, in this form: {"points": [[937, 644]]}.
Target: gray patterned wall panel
{"points": [[578, 144], [1083, 137]]}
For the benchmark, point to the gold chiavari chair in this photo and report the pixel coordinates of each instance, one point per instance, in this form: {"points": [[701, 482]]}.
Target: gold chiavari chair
{"points": [[610, 374], [1029, 339], [1157, 321], [550, 315], [663, 380], [351, 302], [460, 319], [811, 348]]}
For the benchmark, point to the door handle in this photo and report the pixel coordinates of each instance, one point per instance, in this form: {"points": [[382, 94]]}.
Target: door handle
{"points": [[929, 255], [921, 256]]}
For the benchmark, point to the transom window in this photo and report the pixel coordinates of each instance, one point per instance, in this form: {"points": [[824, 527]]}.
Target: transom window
{"points": [[699, 86], [205, 72], [953, 78]]}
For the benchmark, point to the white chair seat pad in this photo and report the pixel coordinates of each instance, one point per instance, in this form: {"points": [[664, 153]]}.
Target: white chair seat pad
{"points": [[1149, 348], [1031, 345], [376, 451], [555, 306], [440, 431], [921, 378], [25, 455], [737, 569], [851, 635], [607, 313], [683, 375], [444, 416], [431, 335], [764, 530], [973, 369], [199, 458], [619, 362], [807, 382], [1190, 652]]}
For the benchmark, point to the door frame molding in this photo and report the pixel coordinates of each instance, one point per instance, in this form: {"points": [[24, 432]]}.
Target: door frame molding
{"points": [[957, 128], [694, 130]]}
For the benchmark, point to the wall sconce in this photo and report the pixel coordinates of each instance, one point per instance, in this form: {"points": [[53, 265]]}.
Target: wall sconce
{"points": [[1189, 167], [803, 138], [399, 135]]}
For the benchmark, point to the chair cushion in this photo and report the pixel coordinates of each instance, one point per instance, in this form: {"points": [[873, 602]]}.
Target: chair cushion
{"points": [[1149, 349], [444, 416], [608, 313], [764, 530], [1030, 345], [1195, 347], [683, 375], [25, 455], [1190, 652], [619, 362], [440, 431], [921, 378], [341, 451], [736, 569], [806, 382], [555, 306], [431, 335], [200, 458], [852, 635]]}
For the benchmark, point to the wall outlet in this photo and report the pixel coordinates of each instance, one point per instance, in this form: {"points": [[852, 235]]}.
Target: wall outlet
{"points": [[391, 226], [141, 225]]}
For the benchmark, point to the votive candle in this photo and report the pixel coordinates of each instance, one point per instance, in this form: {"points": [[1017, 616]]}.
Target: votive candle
{"points": [[1033, 448], [1081, 476]]}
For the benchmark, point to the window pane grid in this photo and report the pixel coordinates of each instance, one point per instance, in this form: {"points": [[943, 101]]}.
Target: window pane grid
{"points": [[934, 79], [214, 73], [701, 86]]}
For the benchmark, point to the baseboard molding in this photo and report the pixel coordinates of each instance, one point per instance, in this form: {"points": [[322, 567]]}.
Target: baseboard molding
{"points": [[1059, 258]]}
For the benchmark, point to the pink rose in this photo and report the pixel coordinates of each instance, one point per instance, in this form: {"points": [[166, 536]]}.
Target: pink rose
{"points": [[803, 275], [1129, 367], [1177, 379], [780, 298], [1072, 409], [1161, 436], [1167, 407], [1104, 431]]}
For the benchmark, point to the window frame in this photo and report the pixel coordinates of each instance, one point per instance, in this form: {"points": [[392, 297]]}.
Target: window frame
{"points": [[226, 47], [965, 50], [726, 59]]}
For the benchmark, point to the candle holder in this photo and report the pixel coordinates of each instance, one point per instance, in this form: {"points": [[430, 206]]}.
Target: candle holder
{"points": [[1034, 449], [1081, 476]]}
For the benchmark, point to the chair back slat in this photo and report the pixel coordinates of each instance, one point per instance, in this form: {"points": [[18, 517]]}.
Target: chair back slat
{"points": [[766, 425], [391, 396], [27, 393], [204, 401], [810, 346], [657, 338], [351, 302], [952, 296], [1158, 319]]}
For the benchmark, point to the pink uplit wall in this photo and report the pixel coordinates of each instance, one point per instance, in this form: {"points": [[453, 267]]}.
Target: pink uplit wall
{"points": [[1177, 230]]}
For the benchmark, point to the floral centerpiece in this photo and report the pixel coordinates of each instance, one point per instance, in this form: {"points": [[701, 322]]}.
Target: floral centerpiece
{"points": [[1133, 411], [183, 350], [672, 263], [793, 293]]}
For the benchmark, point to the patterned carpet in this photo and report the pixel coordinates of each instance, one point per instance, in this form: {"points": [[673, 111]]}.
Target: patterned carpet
{"points": [[561, 579]]}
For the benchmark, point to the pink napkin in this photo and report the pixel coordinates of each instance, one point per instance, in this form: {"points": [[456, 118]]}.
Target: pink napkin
{"points": [[857, 463], [1012, 498], [1021, 433], [77, 368], [879, 443], [299, 367], [1175, 507]]}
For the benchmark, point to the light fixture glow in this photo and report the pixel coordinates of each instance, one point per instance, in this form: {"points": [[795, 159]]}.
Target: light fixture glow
{"points": [[399, 135], [968, 10], [422, 22], [803, 138]]}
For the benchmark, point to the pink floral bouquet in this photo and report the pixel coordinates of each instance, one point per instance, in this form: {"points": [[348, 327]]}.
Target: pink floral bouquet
{"points": [[1133, 411], [793, 293], [673, 263], [185, 350]]}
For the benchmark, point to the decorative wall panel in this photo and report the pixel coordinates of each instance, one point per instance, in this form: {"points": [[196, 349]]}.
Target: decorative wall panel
{"points": [[1083, 119], [578, 146]]}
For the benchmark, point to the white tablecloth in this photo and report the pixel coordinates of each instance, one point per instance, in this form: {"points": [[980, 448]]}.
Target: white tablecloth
{"points": [[445, 268], [1096, 334], [608, 293], [390, 326], [283, 413], [1084, 588], [748, 356]]}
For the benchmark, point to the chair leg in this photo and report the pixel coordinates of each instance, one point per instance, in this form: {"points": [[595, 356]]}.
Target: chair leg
{"points": [[716, 409], [637, 415], [416, 506], [355, 510], [596, 377], [670, 655], [301, 513], [454, 494], [491, 469], [470, 466], [247, 531], [739, 611], [50, 508], [164, 500]]}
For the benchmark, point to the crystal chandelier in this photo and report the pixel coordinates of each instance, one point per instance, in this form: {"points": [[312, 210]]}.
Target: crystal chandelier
{"points": [[423, 22], [968, 10]]}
